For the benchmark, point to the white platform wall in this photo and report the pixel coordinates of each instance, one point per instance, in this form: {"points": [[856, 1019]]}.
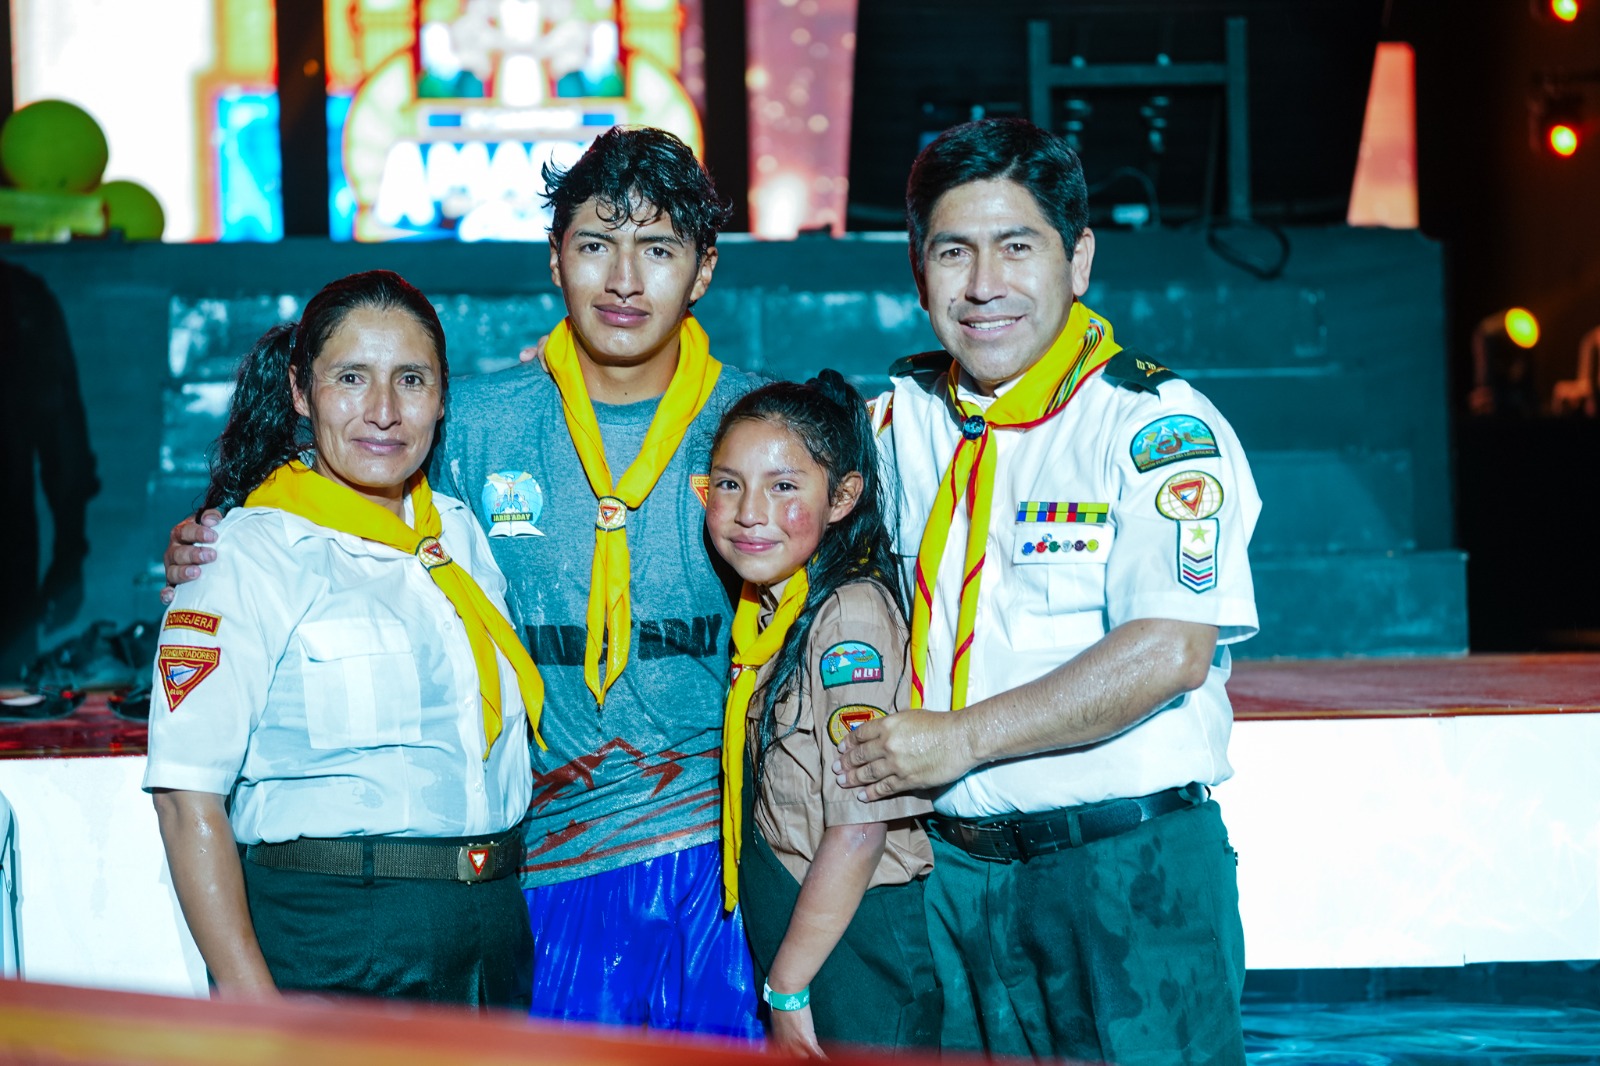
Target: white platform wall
{"points": [[1380, 842]]}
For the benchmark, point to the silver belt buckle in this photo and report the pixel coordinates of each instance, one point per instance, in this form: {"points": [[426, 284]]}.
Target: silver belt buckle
{"points": [[475, 862]]}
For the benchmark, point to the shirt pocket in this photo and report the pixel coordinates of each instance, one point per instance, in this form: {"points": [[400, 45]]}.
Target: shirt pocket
{"points": [[361, 684], [1053, 607]]}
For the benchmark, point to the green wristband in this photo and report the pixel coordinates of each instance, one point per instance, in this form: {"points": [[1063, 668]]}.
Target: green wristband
{"points": [[786, 1000]]}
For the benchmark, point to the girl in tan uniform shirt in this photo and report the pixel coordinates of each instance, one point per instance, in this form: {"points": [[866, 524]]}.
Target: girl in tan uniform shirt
{"points": [[831, 885]]}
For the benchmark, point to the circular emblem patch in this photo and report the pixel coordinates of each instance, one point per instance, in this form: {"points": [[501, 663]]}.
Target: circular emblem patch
{"points": [[430, 553], [612, 513], [848, 717], [972, 428], [1189, 495]]}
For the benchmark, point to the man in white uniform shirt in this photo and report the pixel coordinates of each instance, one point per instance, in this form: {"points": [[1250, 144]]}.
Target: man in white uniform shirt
{"points": [[1074, 528]]}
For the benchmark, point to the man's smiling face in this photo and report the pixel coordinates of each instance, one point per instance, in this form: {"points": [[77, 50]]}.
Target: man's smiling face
{"points": [[628, 282], [997, 281]]}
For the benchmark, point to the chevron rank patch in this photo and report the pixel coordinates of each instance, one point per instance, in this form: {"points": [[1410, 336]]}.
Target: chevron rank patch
{"points": [[197, 620], [851, 663], [1197, 554], [182, 669], [846, 718]]}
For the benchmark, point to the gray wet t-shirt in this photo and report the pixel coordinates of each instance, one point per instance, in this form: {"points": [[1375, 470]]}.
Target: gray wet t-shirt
{"points": [[639, 778]]}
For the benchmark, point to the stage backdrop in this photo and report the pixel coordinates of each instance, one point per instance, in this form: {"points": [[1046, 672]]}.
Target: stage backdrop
{"points": [[1333, 375]]}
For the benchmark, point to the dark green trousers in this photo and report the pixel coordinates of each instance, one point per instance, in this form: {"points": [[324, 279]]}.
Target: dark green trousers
{"points": [[441, 941], [877, 986], [1128, 950]]}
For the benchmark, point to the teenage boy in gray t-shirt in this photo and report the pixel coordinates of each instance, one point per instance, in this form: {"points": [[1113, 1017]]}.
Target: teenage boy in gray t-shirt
{"points": [[622, 871]]}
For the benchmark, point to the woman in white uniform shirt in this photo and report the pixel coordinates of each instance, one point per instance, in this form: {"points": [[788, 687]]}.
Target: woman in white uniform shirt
{"points": [[338, 736]]}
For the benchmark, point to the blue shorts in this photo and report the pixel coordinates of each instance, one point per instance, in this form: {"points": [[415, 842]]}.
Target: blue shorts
{"points": [[644, 945]]}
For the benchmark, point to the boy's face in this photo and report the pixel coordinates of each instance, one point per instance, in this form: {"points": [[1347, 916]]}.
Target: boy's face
{"points": [[627, 284]]}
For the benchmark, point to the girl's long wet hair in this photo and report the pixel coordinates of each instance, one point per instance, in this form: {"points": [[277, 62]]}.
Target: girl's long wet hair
{"points": [[828, 416], [264, 431]]}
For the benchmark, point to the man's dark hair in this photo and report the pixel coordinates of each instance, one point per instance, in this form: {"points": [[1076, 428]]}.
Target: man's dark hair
{"points": [[628, 166], [1013, 149]]}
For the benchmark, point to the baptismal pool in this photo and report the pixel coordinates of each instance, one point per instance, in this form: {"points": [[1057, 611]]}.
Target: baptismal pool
{"points": [[1493, 1014]]}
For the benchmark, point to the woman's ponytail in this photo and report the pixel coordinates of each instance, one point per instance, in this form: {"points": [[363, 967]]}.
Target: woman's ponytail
{"points": [[263, 430]]}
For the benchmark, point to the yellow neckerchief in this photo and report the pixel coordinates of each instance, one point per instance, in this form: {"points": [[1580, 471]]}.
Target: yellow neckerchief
{"points": [[751, 650], [1084, 345], [610, 616], [300, 491]]}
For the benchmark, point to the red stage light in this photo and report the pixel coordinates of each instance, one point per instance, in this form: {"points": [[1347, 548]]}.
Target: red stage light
{"points": [[1564, 10]]}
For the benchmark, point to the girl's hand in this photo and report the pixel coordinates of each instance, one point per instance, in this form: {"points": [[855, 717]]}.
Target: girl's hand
{"points": [[794, 1033]]}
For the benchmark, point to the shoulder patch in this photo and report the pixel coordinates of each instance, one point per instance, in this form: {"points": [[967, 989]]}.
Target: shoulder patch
{"points": [[851, 662], [846, 718], [929, 362], [182, 668], [1189, 495], [1132, 369], [200, 621], [1172, 439]]}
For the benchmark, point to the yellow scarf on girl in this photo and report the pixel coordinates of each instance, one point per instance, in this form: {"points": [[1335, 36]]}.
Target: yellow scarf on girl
{"points": [[1083, 346], [751, 651], [609, 621], [300, 491]]}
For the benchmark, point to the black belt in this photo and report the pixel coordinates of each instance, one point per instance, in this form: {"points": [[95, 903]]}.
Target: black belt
{"points": [[429, 860], [1019, 837]]}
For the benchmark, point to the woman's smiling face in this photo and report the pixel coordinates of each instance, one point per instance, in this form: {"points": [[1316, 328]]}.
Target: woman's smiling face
{"points": [[374, 402]]}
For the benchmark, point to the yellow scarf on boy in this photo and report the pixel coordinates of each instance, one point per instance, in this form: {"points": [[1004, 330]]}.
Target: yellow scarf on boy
{"points": [[1083, 346], [609, 621], [298, 490], [751, 651]]}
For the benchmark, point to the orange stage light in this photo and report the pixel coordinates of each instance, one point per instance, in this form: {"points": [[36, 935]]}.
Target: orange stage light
{"points": [[1565, 10], [1562, 138]]}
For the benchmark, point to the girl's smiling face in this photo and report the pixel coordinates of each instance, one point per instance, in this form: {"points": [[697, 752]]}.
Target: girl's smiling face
{"points": [[769, 503]]}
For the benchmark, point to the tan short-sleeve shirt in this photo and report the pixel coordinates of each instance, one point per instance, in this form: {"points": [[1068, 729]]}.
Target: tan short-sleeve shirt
{"points": [[854, 669]]}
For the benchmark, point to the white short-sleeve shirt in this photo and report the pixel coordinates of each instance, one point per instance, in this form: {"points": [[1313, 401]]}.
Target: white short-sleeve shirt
{"points": [[1133, 502], [326, 685]]}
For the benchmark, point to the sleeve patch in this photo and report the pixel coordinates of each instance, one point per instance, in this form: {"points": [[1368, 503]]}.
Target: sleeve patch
{"points": [[1172, 439], [198, 620], [183, 667], [1189, 495], [846, 718], [851, 663]]}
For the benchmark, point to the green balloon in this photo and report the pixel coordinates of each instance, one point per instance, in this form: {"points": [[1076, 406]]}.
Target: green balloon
{"points": [[133, 209], [53, 146]]}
